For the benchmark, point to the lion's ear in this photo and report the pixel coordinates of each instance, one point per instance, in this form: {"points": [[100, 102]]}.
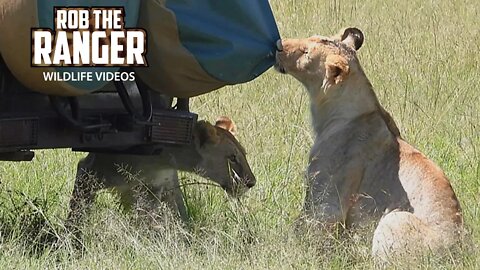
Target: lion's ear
{"points": [[336, 70], [205, 133], [352, 37], [227, 124]]}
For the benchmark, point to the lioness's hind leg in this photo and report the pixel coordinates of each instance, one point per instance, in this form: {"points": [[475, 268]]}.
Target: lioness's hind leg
{"points": [[399, 235], [175, 197]]}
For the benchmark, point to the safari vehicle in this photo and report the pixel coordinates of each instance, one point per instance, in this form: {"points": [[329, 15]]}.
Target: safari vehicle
{"points": [[194, 47]]}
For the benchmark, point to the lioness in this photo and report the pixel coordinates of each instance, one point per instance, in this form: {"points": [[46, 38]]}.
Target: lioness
{"points": [[360, 168], [215, 154]]}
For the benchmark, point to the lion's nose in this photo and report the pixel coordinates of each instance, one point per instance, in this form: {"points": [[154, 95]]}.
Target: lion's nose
{"points": [[251, 182], [279, 45]]}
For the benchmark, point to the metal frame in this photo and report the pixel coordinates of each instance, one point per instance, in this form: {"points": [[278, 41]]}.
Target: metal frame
{"points": [[107, 121]]}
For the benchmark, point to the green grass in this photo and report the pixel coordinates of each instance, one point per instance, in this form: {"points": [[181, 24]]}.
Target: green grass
{"points": [[422, 58]]}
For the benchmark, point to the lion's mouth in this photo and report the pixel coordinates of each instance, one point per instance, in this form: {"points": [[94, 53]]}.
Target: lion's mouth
{"points": [[236, 177], [278, 64], [279, 68], [238, 186]]}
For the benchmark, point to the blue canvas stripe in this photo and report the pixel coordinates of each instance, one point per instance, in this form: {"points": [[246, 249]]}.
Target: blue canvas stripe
{"points": [[234, 40]]}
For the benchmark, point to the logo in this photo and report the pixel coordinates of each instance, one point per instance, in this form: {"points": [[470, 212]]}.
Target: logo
{"points": [[89, 37]]}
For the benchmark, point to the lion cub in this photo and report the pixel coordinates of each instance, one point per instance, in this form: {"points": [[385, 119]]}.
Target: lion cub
{"points": [[214, 154], [360, 168]]}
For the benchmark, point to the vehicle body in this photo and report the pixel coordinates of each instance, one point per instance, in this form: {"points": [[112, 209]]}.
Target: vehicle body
{"points": [[207, 44]]}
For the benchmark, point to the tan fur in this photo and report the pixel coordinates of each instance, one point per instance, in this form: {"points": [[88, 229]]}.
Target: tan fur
{"points": [[215, 155], [336, 69], [360, 168]]}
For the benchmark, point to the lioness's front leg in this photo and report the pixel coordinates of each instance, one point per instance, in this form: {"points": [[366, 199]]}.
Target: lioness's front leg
{"points": [[87, 183], [330, 192], [163, 186]]}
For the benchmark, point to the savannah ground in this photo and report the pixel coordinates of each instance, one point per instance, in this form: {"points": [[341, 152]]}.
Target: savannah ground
{"points": [[422, 58]]}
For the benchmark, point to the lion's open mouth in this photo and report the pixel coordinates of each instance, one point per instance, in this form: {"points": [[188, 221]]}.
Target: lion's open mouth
{"points": [[238, 187], [236, 178]]}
